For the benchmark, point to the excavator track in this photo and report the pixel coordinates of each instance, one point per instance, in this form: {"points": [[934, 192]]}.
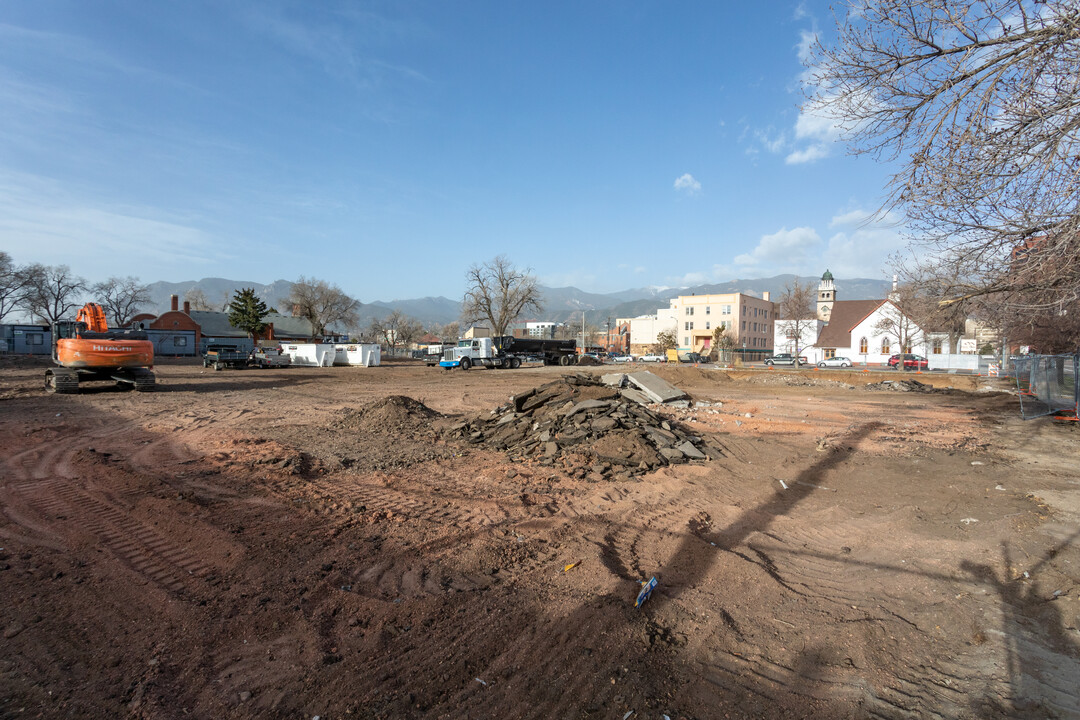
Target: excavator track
{"points": [[62, 381], [145, 381]]}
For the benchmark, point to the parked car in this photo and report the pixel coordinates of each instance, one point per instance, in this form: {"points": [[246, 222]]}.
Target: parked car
{"points": [[911, 362], [623, 358], [786, 359], [653, 358], [835, 362], [690, 357]]}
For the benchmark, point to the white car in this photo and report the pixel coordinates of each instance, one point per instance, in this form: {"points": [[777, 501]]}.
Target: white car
{"points": [[835, 362], [623, 358], [652, 358]]}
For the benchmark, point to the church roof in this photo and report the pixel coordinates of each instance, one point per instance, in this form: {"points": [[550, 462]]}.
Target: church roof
{"points": [[827, 275], [846, 315]]}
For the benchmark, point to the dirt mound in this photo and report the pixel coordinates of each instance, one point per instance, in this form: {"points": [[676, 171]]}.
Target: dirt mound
{"points": [[391, 414], [392, 432], [577, 418]]}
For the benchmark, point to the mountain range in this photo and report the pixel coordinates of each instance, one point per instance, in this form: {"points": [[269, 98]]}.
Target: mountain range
{"points": [[564, 304]]}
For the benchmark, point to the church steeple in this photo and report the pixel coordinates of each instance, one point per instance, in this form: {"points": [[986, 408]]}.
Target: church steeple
{"points": [[826, 296]]}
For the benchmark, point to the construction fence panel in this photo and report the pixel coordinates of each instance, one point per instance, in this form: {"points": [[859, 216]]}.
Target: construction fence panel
{"points": [[1048, 384]]}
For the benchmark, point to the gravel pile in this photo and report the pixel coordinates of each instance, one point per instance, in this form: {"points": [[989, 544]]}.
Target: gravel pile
{"points": [[609, 427]]}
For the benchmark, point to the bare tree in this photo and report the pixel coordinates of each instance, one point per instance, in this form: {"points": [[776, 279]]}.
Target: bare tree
{"points": [[52, 292], [498, 293], [980, 102], [797, 313], [197, 299], [322, 304], [12, 285], [396, 330], [448, 332], [121, 298]]}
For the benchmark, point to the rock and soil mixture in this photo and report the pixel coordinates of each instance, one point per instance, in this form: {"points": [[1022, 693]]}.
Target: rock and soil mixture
{"points": [[330, 542], [588, 428]]}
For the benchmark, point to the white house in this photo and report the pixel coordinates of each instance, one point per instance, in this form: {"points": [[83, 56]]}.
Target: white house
{"points": [[868, 331]]}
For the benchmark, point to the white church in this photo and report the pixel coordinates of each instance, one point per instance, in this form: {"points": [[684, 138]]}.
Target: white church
{"points": [[866, 331]]}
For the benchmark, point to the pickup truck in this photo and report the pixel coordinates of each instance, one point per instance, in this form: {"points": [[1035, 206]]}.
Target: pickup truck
{"points": [[220, 357], [786, 359]]}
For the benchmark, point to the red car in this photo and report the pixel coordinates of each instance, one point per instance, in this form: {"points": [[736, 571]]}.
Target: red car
{"points": [[911, 362]]}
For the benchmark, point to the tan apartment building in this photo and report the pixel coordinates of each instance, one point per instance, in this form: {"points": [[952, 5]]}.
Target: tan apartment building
{"points": [[694, 318]]}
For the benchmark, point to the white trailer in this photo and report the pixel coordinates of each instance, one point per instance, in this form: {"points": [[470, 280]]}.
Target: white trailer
{"points": [[358, 355], [310, 354]]}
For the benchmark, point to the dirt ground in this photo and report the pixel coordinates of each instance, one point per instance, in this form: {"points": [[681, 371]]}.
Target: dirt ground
{"points": [[290, 543]]}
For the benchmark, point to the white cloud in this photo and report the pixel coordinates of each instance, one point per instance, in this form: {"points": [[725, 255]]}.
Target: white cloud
{"points": [[687, 183], [862, 252], [808, 154]]}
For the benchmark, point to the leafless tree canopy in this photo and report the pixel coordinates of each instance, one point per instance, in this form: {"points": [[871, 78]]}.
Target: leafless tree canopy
{"points": [[980, 102], [796, 307], [12, 284], [498, 293], [322, 304], [121, 298], [196, 298], [52, 292], [395, 330]]}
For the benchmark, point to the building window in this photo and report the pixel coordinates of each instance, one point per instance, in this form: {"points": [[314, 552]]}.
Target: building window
{"points": [[708, 309], [691, 324], [35, 338], [686, 325], [179, 342], [937, 346], [686, 341], [907, 348], [727, 309], [884, 346], [864, 346], [830, 353], [708, 325]]}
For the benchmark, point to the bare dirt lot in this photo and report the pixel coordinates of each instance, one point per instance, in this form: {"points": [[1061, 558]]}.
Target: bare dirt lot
{"points": [[290, 543]]}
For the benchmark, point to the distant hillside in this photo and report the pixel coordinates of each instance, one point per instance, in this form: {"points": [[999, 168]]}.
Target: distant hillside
{"points": [[560, 304], [217, 291]]}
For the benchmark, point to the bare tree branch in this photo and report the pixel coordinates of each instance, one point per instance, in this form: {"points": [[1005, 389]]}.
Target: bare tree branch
{"points": [[121, 298], [497, 292], [980, 100]]}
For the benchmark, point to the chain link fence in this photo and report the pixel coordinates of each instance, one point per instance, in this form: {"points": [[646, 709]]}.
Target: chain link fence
{"points": [[1048, 384]]}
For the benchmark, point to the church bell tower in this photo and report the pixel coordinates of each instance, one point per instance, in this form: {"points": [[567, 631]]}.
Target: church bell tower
{"points": [[826, 296]]}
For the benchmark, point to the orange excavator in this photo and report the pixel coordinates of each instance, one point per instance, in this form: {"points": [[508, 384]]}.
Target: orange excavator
{"points": [[87, 349]]}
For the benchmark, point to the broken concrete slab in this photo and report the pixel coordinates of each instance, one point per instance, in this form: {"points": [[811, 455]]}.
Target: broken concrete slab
{"points": [[636, 396], [617, 380], [661, 391]]}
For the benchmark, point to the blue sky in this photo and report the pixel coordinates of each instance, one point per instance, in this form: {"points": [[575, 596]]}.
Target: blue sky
{"points": [[387, 146]]}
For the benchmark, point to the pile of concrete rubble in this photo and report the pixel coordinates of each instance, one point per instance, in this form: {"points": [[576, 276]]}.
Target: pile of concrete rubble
{"points": [[604, 425]]}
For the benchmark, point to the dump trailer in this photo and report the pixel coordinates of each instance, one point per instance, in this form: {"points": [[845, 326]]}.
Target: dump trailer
{"points": [[86, 349], [508, 352]]}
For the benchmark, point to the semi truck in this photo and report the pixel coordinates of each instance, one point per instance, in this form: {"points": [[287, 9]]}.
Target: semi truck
{"points": [[508, 352]]}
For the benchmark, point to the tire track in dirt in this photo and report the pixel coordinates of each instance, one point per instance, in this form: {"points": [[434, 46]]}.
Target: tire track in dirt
{"points": [[133, 543]]}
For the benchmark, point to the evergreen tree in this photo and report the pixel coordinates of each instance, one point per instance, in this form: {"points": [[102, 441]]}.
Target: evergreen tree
{"points": [[246, 312]]}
